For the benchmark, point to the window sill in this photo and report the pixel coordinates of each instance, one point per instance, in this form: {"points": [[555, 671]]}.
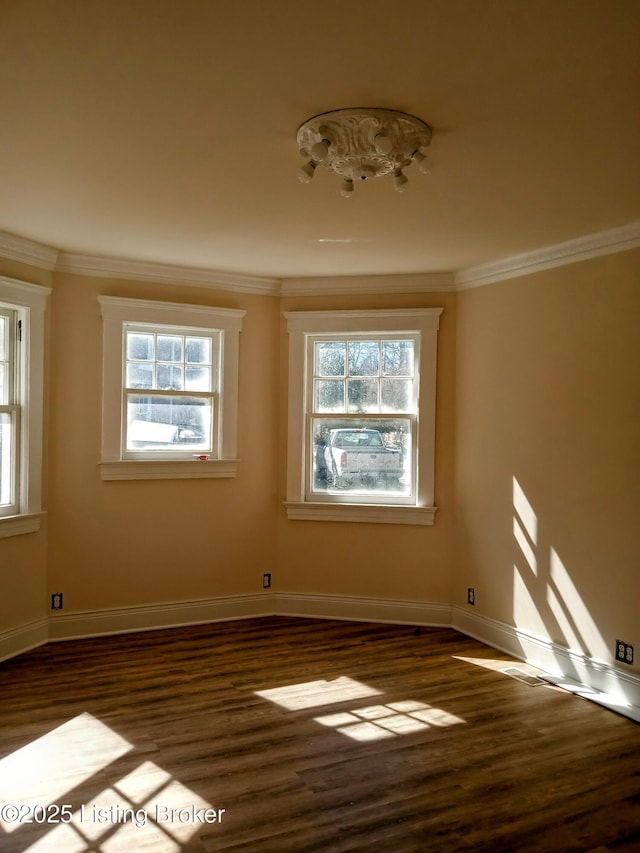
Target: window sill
{"points": [[175, 469], [16, 525], [361, 513]]}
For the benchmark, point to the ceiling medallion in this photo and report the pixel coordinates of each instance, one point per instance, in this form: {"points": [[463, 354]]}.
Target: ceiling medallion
{"points": [[358, 144]]}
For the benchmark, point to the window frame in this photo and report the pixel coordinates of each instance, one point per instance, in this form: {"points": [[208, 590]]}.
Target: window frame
{"points": [[26, 303], [303, 327], [224, 326]]}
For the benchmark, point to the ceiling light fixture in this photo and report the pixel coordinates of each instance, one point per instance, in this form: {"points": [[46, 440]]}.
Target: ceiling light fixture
{"points": [[358, 144]]}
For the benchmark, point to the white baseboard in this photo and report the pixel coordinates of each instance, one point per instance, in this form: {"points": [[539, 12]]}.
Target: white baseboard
{"points": [[149, 617], [548, 656], [15, 641], [95, 623], [360, 609]]}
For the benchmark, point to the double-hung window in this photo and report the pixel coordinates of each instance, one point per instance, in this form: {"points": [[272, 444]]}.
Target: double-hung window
{"points": [[362, 415], [170, 378], [22, 308], [9, 410]]}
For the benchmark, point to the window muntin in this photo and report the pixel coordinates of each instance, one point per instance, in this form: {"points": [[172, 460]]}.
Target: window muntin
{"points": [[177, 370], [368, 457]]}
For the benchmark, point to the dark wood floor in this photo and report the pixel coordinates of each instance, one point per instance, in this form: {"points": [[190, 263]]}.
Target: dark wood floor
{"points": [[373, 737]]}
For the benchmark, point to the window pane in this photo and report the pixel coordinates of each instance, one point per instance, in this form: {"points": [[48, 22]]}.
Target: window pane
{"points": [[330, 358], [397, 358], [198, 379], [140, 346], [363, 457], [329, 395], [168, 423], [397, 395], [139, 375], [169, 348], [4, 360], [363, 395], [169, 377], [363, 358], [6, 460], [198, 350]]}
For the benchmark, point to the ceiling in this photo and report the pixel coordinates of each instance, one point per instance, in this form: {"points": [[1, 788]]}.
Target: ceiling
{"points": [[165, 131]]}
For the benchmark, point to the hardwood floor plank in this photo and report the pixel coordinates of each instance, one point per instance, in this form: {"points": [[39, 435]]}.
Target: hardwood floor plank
{"points": [[312, 735]]}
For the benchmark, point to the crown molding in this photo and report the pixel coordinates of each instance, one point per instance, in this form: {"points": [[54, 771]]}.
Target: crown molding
{"points": [[29, 252], [45, 257], [165, 273], [570, 252], [364, 284]]}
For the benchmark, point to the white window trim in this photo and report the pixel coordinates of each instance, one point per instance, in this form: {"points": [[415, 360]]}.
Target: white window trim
{"points": [[115, 313], [300, 324], [30, 300]]}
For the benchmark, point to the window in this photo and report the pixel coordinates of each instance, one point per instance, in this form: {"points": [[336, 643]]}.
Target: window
{"points": [[170, 390], [362, 415], [22, 308], [9, 411]]}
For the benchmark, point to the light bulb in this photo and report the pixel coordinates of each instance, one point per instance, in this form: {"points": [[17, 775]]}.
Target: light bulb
{"points": [[425, 163], [400, 181], [306, 172], [382, 143], [346, 190], [320, 150]]}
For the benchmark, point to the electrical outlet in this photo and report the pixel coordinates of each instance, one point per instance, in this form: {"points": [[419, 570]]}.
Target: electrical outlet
{"points": [[266, 580], [624, 652], [56, 601], [471, 595]]}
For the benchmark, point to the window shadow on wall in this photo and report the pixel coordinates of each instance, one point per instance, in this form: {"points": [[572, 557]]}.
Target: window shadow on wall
{"points": [[547, 604]]}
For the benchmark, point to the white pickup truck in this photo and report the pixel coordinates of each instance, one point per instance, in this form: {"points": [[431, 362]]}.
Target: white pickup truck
{"points": [[358, 455]]}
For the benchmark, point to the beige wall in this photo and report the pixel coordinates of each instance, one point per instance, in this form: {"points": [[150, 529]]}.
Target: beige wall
{"points": [[129, 543], [548, 392], [397, 562]]}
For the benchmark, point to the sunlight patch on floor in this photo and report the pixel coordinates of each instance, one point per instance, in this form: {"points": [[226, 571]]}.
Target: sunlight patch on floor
{"points": [[146, 809], [377, 722], [503, 666], [45, 769], [313, 694], [495, 664]]}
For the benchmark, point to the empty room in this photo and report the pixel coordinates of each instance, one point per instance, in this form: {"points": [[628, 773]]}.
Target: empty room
{"points": [[319, 426]]}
